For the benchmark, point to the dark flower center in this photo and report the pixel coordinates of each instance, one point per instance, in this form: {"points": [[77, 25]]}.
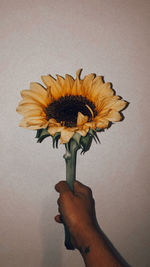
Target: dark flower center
{"points": [[65, 109]]}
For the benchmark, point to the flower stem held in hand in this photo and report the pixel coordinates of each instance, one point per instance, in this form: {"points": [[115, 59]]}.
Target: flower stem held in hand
{"points": [[70, 157]]}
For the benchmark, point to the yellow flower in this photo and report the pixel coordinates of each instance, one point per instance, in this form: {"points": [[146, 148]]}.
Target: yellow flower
{"points": [[69, 106]]}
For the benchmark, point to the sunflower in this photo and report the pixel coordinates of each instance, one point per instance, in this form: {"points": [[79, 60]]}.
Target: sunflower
{"points": [[68, 106]]}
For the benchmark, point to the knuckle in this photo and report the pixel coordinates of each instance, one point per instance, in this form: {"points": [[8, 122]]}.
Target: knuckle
{"points": [[88, 190], [58, 201], [59, 184]]}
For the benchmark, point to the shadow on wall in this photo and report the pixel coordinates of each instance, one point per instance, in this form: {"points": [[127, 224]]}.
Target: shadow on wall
{"points": [[51, 254]]}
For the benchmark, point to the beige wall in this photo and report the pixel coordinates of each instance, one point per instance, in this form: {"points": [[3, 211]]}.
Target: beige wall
{"points": [[110, 38]]}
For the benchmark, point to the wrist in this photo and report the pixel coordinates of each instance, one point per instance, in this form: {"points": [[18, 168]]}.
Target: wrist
{"points": [[86, 237]]}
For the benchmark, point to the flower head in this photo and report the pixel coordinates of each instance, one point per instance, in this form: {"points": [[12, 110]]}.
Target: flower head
{"points": [[66, 106]]}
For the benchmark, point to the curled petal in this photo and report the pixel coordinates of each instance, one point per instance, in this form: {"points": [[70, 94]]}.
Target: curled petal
{"points": [[90, 124], [53, 121], [54, 129], [66, 135], [81, 119]]}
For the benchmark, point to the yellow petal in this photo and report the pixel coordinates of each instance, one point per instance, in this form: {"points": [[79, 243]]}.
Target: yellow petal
{"points": [[106, 103], [22, 109], [66, 135], [76, 89], [106, 90], [68, 84], [34, 125], [97, 81], [54, 129], [78, 72], [56, 89], [38, 88], [27, 101], [35, 119], [60, 80], [103, 123], [119, 105], [47, 80], [23, 123], [114, 116], [90, 124], [81, 119], [101, 92], [52, 121], [34, 113], [94, 92], [87, 84], [28, 94]]}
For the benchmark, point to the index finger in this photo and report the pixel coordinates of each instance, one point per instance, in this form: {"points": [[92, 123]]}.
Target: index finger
{"points": [[81, 188], [62, 187]]}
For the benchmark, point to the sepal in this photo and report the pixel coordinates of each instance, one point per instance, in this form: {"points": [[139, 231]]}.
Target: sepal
{"points": [[41, 135], [77, 138], [56, 138], [86, 142]]}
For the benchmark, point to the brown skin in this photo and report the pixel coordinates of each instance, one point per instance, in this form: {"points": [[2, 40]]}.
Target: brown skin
{"points": [[78, 211]]}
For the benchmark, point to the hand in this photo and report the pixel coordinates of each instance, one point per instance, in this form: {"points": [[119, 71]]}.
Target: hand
{"points": [[77, 209], [78, 212]]}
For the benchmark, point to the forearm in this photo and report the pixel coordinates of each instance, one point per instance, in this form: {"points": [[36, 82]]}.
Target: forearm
{"points": [[96, 250]]}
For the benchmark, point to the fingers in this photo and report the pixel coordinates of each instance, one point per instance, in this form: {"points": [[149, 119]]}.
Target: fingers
{"points": [[58, 218], [81, 188], [63, 187]]}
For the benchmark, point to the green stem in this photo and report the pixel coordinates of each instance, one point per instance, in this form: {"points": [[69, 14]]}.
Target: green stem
{"points": [[70, 158]]}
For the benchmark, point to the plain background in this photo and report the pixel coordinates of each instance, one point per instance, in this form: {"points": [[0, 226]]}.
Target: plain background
{"points": [[109, 38]]}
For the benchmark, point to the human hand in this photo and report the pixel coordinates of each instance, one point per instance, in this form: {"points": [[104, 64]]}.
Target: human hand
{"points": [[77, 209]]}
